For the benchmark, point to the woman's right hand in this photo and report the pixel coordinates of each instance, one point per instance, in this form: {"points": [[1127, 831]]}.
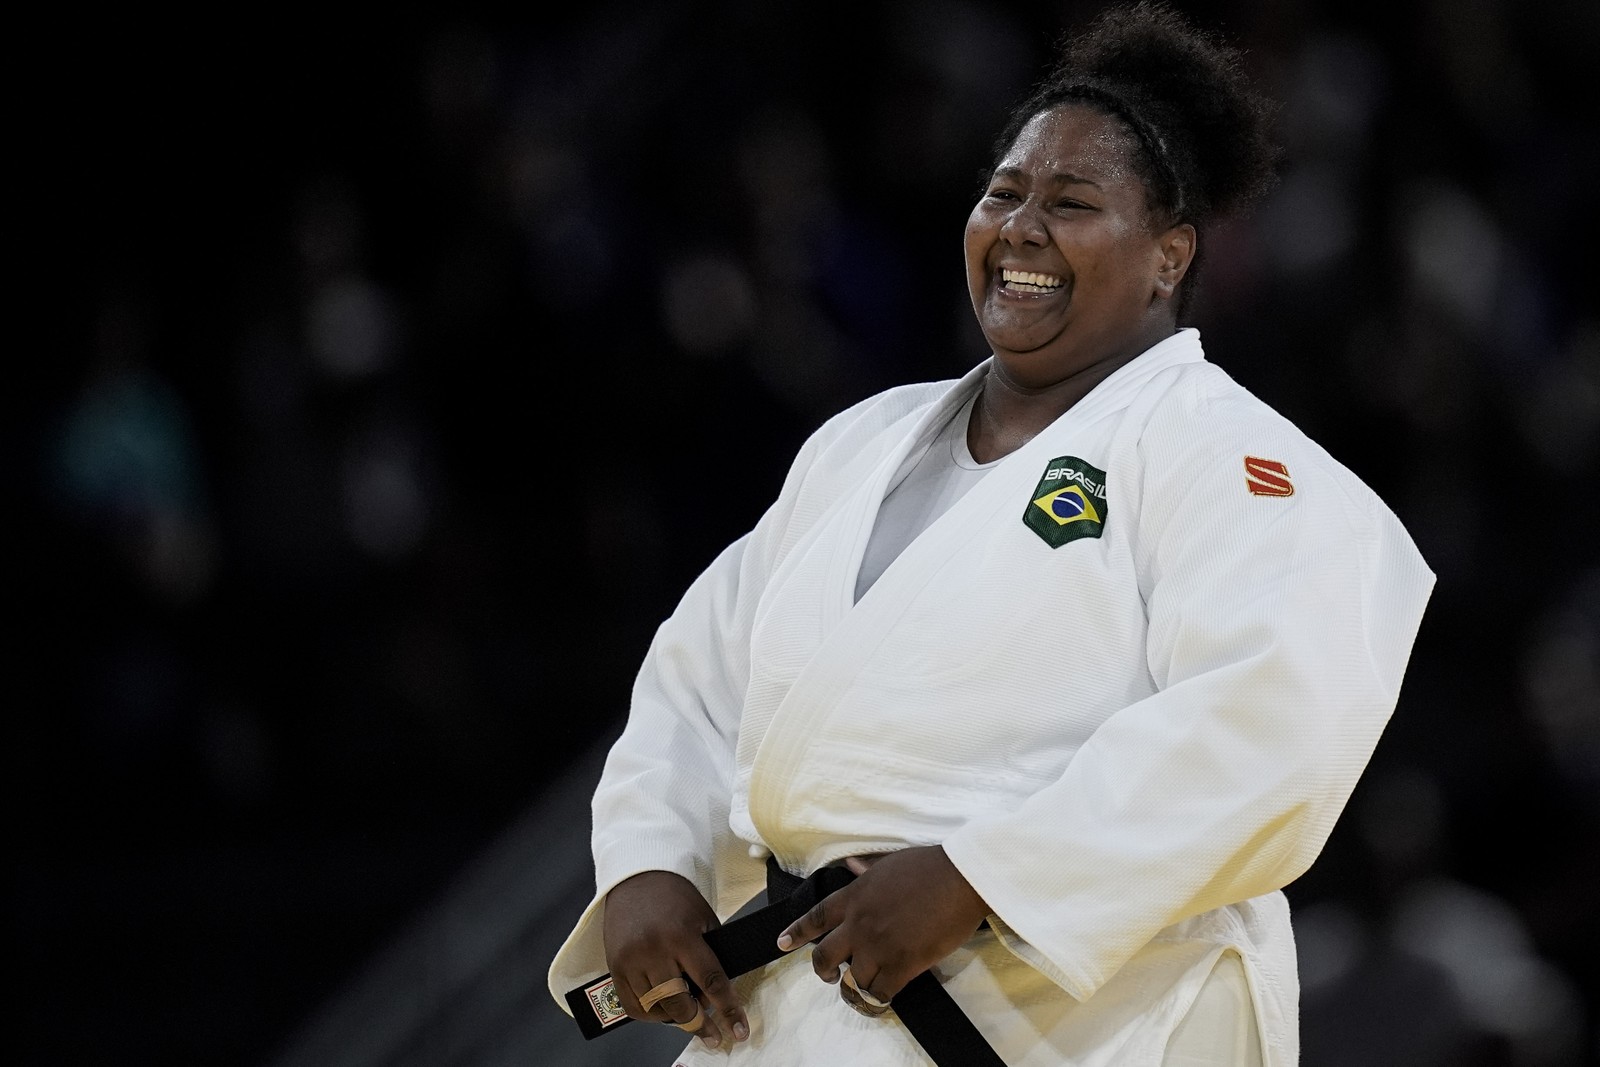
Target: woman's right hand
{"points": [[654, 927]]}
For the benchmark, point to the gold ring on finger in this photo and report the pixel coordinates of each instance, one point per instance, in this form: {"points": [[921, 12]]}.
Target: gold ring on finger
{"points": [[866, 996], [863, 1000]]}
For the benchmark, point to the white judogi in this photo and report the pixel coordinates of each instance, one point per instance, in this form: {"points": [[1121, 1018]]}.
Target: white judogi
{"points": [[1128, 742]]}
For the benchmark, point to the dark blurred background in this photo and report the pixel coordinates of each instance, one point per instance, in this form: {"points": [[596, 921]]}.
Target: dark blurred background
{"points": [[393, 374]]}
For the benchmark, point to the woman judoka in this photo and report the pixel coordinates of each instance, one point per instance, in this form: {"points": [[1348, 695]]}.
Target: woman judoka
{"points": [[1073, 661]]}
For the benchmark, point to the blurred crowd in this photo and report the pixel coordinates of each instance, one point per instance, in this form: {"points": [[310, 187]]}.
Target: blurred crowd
{"points": [[395, 374]]}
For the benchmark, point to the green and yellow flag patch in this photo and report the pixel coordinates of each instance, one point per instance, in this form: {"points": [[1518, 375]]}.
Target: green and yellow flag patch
{"points": [[1068, 503]]}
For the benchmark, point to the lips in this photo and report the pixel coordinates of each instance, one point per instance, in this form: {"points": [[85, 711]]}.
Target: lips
{"points": [[1027, 281]]}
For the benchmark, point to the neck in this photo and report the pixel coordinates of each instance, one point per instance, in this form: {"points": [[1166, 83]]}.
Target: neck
{"points": [[1010, 413]]}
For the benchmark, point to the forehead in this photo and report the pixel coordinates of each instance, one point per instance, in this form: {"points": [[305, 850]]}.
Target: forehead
{"points": [[1075, 138]]}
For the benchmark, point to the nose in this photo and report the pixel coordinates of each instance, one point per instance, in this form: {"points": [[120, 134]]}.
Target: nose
{"points": [[1024, 225]]}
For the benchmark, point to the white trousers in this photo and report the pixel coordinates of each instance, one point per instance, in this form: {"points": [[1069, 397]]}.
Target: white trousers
{"points": [[1220, 1029]]}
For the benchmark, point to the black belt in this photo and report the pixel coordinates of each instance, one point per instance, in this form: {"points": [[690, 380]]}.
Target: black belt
{"points": [[751, 940]]}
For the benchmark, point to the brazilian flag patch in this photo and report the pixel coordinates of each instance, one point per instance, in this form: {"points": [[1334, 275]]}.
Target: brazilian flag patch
{"points": [[1068, 503]]}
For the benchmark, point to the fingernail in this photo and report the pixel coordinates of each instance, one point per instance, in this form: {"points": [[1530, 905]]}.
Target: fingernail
{"points": [[784, 941], [740, 1031], [710, 1040]]}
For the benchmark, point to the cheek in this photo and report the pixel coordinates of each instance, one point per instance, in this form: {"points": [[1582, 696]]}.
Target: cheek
{"points": [[979, 233], [1111, 258], [977, 241]]}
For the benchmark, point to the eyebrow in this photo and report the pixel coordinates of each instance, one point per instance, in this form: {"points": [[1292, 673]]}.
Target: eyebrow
{"points": [[1059, 178]]}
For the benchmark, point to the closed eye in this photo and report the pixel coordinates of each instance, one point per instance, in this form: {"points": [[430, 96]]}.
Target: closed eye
{"points": [[1007, 196]]}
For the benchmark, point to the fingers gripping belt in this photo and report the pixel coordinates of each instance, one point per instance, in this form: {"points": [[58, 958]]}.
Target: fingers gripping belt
{"points": [[750, 941]]}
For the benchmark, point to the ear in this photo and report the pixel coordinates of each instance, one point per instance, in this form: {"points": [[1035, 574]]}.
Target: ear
{"points": [[1176, 247]]}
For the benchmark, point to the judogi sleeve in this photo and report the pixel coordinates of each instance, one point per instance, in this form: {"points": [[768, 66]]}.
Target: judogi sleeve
{"points": [[1279, 629], [665, 789], [663, 796]]}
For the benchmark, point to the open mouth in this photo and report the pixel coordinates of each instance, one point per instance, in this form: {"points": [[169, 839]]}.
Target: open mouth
{"points": [[1027, 281]]}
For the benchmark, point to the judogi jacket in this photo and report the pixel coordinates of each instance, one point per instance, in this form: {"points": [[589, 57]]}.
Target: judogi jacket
{"points": [[1128, 681]]}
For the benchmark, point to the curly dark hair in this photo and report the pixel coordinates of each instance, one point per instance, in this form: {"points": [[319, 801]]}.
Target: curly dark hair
{"points": [[1204, 133]]}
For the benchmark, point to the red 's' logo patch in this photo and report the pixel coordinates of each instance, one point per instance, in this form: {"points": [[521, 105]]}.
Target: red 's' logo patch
{"points": [[1267, 477]]}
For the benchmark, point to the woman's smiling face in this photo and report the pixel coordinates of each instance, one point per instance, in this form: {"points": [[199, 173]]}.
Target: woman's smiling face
{"points": [[1064, 269]]}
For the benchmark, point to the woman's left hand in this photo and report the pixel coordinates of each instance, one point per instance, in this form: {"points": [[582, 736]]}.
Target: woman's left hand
{"points": [[905, 912]]}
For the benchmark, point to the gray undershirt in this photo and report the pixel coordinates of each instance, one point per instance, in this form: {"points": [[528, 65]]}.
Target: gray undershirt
{"points": [[942, 475]]}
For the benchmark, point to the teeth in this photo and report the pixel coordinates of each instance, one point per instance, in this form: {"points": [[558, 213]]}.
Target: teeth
{"points": [[1033, 280]]}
